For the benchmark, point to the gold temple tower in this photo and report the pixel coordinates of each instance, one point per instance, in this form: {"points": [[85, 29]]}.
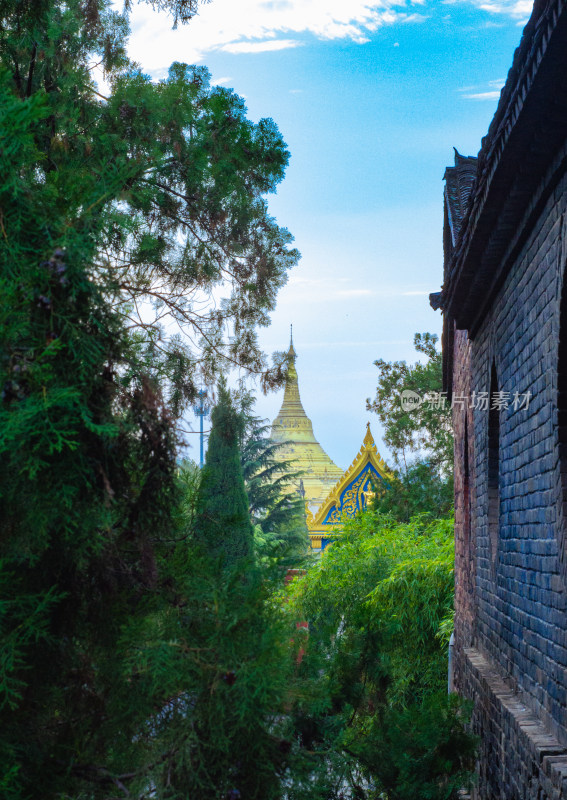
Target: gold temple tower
{"points": [[293, 428]]}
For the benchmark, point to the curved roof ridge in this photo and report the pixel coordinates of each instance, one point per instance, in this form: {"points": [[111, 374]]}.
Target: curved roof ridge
{"points": [[368, 452]]}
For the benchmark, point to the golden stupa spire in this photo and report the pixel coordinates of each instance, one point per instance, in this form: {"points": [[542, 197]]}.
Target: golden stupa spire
{"points": [[292, 407], [293, 428]]}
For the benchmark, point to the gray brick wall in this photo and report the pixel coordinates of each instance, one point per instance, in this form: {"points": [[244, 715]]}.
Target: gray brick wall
{"points": [[465, 534], [510, 599]]}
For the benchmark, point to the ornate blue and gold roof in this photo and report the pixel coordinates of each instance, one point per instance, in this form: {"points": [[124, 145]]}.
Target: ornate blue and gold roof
{"points": [[351, 494]]}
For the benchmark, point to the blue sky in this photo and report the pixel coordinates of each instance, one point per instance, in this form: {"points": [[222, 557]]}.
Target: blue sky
{"points": [[370, 98]]}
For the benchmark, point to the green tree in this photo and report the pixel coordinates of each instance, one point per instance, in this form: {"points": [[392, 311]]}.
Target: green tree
{"points": [[222, 518], [417, 488], [277, 512], [217, 659], [175, 172], [379, 723], [217, 663], [87, 477], [420, 437], [109, 208], [188, 480]]}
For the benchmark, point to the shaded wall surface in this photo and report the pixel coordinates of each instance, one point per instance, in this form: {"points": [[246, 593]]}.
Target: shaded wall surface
{"points": [[511, 632], [504, 301]]}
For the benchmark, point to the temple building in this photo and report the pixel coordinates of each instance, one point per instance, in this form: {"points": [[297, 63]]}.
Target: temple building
{"points": [[351, 494], [329, 493]]}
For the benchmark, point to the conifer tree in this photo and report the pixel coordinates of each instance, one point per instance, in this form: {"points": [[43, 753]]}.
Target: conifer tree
{"points": [[87, 465], [174, 170], [222, 523], [277, 510]]}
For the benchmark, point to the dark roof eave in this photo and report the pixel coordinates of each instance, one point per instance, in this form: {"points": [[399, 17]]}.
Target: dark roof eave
{"points": [[436, 300], [527, 132]]}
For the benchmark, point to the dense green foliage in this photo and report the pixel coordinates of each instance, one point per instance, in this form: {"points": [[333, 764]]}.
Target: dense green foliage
{"points": [[218, 658], [416, 489], [111, 210], [277, 511], [425, 429], [165, 180], [378, 606], [143, 653], [420, 438], [216, 662], [87, 466], [222, 521]]}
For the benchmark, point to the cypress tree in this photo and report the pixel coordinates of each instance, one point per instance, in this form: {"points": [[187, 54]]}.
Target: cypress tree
{"points": [[87, 467], [167, 177], [223, 524], [277, 512]]}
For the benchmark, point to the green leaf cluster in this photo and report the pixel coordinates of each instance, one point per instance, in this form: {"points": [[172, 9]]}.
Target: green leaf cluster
{"points": [[217, 664], [425, 429], [87, 484], [162, 183], [420, 438], [378, 715]]}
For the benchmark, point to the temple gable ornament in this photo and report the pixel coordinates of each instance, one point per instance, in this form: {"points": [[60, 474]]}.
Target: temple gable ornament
{"points": [[351, 494]]}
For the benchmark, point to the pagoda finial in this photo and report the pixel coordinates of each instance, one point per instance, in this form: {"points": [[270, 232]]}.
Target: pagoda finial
{"points": [[291, 352]]}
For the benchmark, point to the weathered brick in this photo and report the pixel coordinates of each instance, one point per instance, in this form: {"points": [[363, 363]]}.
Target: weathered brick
{"points": [[511, 563]]}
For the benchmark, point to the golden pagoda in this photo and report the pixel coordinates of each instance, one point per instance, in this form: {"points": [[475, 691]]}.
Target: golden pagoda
{"points": [[292, 427]]}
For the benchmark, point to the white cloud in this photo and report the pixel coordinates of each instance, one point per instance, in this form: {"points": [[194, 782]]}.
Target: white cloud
{"points": [[414, 18], [260, 26], [260, 47], [354, 293], [518, 9], [314, 291], [256, 26], [479, 93], [492, 95], [297, 280], [220, 81]]}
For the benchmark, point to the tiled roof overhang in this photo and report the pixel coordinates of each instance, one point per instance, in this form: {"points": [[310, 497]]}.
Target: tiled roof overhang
{"points": [[522, 157], [459, 181]]}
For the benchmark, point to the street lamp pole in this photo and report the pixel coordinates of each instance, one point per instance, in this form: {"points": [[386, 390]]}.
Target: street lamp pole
{"points": [[201, 410]]}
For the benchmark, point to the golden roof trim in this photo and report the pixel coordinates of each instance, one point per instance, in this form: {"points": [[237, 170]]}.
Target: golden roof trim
{"points": [[368, 454]]}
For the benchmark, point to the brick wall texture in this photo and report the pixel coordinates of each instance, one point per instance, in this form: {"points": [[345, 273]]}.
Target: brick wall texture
{"points": [[510, 629]]}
